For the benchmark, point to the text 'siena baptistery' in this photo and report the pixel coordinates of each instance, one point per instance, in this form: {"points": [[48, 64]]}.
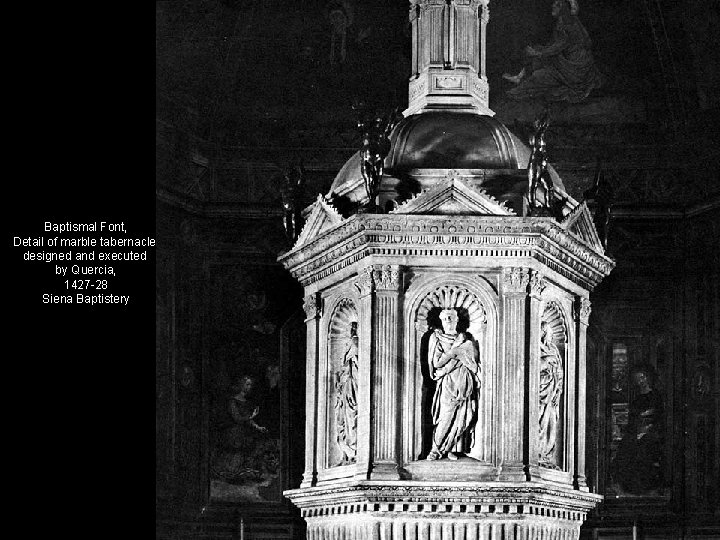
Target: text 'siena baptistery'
{"points": [[447, 276]]}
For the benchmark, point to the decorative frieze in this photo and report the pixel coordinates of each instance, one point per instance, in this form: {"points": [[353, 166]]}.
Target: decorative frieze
{"points": [[461, 237]]}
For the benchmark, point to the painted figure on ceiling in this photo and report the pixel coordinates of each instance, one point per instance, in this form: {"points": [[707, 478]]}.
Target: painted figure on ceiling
{"points": [[346, 399], [563, 70], [551, 388], [637, 467], [454, 364]]}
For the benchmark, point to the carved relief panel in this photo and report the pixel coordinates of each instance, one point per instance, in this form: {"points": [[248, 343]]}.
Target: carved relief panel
{"points": [[553, 362], [342, 385]]}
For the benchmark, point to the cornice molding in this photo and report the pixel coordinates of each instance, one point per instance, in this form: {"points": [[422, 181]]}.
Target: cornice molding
{"points": [[440, 493], [461, 237]]}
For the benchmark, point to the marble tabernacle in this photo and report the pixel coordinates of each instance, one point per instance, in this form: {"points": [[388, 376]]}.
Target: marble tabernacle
{"points": [[446, 324]]}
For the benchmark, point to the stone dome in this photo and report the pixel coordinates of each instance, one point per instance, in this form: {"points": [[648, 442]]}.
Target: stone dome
{"points": [[444, 140], [451, 140]]}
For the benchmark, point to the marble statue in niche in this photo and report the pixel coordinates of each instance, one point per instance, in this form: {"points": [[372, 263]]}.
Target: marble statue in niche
{"points": [[346, 384], [551, 389], [563, 70], [637, 466], [453, 362]]}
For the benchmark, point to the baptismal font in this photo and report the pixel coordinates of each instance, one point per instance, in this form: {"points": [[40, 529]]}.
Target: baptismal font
{"points": [[446, 322]]}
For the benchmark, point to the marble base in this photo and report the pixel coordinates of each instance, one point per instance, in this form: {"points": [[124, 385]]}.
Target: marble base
{"points": [[440, 511]]}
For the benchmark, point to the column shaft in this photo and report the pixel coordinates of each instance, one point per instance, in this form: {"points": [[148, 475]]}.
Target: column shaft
{"points": [[532, 384], [582, 316], [312, 322], [514, 404], [365, 287], [386, 374]]}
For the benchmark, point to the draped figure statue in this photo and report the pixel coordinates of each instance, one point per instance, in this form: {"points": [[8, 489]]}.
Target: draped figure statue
{"points": [[454, 364], [551, 388], [346, 399]]}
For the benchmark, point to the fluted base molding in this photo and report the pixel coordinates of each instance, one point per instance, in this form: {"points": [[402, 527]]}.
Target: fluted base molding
{"points": [[438, 528], [415, 511]]}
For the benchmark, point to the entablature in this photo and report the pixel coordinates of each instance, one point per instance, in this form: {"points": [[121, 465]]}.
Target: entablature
{"points": [[461, 240], [480, 497]]}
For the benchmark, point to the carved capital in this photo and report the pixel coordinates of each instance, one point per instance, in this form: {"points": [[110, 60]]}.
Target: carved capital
{"points": [[515, 280], [583, 307], [313, 306], [364, 282], [386, 277], [537, 284], [484, 12]]}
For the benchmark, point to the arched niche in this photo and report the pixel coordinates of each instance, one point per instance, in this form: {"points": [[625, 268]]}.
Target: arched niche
{"points": [[476, 304], [553, 385], [341, 383]]}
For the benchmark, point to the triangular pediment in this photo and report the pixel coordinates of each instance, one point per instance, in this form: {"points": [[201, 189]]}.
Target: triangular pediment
{"points": [[322, 217], [453, 197], [580, 223]]}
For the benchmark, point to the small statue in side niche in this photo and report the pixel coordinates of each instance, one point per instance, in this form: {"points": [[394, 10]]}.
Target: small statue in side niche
{"points": [[637, 467], [563, 70], [454, 363], [599, 199], [375, 147], [551, 388], [291, 192], [346, 399]]}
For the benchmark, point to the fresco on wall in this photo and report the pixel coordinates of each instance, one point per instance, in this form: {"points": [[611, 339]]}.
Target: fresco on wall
{"points": [[571, 54], [164, 396], [563, 69], [245, 462], [637, 426], [246, 387]]}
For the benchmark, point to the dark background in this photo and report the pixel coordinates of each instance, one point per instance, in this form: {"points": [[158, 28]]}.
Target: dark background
{"points": [[79, 149]]}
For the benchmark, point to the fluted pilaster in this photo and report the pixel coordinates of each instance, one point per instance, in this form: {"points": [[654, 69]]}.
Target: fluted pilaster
{"points": [[313, 314], [398, 528], [536, 286], [582, 318], [366, 288], [385, 371], [513, 372]]}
